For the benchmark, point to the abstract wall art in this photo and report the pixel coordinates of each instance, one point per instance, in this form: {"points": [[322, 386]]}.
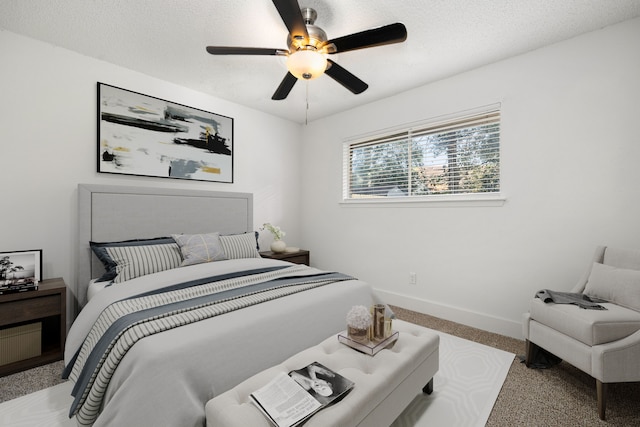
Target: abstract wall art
{"points": [[147, 136]]}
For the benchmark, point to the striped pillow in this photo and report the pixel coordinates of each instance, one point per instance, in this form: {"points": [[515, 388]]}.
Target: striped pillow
{"points": [[238, 246], [130, 259]]}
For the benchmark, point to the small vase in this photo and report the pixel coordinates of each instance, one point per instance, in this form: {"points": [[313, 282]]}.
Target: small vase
{"points": [[278, 246], [357, 334]]}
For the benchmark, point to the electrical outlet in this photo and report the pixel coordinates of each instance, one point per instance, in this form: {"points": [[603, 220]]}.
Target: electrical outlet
{"points": [[413, 278]]}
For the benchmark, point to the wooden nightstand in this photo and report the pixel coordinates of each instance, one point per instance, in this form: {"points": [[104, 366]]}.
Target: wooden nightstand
{"points": [[47, 305], [300, 257]]}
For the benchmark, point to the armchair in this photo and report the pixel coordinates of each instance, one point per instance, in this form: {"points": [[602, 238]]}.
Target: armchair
{"points": [[603, 343]]}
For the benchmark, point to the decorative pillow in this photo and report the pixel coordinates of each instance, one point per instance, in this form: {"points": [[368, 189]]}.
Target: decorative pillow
{"points": [[129, 259], [618, 285], [199, 248], [240, 245]]}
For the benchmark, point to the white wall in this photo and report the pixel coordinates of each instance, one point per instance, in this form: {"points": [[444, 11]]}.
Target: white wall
{"points": [[570, 152], [48, 145]]}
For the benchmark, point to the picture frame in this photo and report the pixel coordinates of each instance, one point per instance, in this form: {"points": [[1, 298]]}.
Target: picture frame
{"points": [[19, 267], [147, 136]]}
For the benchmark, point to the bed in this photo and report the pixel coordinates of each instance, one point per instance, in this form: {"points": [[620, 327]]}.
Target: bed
{"points": [[164, 378]]}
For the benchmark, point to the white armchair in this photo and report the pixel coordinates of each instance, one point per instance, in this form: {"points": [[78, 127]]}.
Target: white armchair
{"points": [[603, 343]]}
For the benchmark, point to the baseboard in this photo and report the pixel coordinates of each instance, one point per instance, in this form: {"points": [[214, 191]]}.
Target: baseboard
{"points": [[482, 321]]}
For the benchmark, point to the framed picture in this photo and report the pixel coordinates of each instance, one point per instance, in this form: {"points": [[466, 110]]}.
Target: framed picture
{"points": [[146, 136], [20, 267]]}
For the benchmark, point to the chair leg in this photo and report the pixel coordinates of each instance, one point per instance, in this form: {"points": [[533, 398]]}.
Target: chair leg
{"points": [[528, 353], [601, 391]]}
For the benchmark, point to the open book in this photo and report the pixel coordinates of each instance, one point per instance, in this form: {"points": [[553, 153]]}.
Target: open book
{"points": [[290, 399]]}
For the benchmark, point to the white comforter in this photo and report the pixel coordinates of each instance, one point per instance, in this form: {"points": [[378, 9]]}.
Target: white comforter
{"points": [[166, 379]]}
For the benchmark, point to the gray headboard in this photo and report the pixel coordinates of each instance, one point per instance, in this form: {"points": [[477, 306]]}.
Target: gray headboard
{"points": [[108, 213]]}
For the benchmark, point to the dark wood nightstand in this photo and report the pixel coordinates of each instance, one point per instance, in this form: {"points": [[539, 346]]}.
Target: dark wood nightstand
{"points": [[47, 305], [300, 257]]}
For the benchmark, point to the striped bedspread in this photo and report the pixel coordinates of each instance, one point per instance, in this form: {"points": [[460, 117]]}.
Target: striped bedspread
{"points": [[125, 322]]}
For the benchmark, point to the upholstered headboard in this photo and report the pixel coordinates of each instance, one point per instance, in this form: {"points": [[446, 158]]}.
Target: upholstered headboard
{"points": [[108, 213]]}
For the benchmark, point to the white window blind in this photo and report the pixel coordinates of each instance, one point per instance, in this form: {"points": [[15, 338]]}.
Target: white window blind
{"points": [[459, 156]]}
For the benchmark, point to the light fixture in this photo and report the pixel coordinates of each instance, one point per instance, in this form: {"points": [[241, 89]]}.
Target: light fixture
{"points": [[306, 64]]}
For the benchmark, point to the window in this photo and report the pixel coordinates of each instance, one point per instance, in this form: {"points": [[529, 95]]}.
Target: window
{"points": [[454, 158]]}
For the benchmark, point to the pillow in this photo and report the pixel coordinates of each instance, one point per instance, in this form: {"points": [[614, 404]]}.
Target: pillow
{"points": [[199, 248], [129, 259], [240, 245], [618, 285]]}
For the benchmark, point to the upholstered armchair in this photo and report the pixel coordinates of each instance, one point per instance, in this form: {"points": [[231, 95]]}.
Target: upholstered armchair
{"points": [[603, 343]]}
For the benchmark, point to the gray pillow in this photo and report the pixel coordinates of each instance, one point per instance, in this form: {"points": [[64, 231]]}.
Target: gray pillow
{"points": [[199, 248], [617, 285]]}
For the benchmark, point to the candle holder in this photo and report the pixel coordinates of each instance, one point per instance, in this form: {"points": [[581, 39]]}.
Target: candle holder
{"points": [[378, 321]]}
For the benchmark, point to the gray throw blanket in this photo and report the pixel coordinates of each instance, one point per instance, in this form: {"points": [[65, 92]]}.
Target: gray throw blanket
{"points": [[581, 300]]}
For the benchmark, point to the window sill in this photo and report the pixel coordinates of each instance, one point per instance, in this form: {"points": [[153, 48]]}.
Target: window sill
{"points": [[493, 200]]}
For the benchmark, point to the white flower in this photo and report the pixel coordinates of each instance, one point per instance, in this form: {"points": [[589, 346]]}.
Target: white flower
{"points": [[275, 230], [359, 317]]}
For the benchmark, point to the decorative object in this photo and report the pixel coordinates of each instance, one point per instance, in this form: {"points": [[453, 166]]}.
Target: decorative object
{"points": [[20, 267], [358, 323], [278, 245], [378, 321], [387, 327], [366, 346], [147, 136], [291, 249]]}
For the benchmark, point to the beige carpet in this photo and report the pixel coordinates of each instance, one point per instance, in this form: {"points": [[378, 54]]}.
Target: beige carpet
{"points": [[561, 396]]}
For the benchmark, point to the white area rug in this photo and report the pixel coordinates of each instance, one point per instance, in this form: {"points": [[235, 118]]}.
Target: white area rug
{"points": [[465, 390]]}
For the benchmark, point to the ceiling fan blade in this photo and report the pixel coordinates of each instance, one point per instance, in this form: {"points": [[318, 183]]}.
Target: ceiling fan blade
{"points": [[231, 50], [285, 87], [392, 33], [345, 78], [291, 15]]}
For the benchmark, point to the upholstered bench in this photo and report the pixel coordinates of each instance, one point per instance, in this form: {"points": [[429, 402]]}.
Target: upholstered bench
{"points": [[384, 384]]}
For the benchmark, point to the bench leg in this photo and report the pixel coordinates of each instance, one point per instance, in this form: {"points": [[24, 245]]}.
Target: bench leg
{"points": [[601, 391], [428, 389]]}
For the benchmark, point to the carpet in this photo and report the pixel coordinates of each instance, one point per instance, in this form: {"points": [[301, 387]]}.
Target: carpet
{"points": [[465, 390]]}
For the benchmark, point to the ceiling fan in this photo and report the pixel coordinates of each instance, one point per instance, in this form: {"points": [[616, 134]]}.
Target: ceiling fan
{"points": [[309, 48]]}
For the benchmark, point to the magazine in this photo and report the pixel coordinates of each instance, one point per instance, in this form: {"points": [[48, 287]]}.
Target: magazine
{"points": [[290, 399]]}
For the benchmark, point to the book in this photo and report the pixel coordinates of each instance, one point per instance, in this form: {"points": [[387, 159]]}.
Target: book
{"points": [[368, 347], [14, 286], [290, 399]]}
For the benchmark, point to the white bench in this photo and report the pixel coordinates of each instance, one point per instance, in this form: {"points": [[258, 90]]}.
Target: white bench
{"points": [[384, 384]]}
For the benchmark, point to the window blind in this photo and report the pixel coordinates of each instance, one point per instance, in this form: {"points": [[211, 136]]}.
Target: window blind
{"points": [[452, 157]]}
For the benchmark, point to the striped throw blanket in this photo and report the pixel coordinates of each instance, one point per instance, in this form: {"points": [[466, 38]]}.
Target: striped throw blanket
{"points": [[125, 322]]}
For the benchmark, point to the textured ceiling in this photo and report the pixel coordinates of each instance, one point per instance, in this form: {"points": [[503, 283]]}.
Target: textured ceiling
{"points": [[167, 39]]}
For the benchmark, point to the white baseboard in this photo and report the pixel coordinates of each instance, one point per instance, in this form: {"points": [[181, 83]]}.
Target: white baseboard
{"points": [[482, 321]]}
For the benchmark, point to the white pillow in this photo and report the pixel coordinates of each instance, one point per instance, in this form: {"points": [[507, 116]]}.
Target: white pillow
{"points": [[199, 248], [617, 285]]}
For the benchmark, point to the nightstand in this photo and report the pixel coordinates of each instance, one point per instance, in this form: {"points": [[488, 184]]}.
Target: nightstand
{"points": [[47, 305], [300, 257]]}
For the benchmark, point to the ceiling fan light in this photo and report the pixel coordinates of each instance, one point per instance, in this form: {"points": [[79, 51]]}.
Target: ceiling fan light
{"points": [[306, 64]]}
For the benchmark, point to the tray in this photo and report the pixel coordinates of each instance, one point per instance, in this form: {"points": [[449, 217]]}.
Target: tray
{"points": [[370, 347]]}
